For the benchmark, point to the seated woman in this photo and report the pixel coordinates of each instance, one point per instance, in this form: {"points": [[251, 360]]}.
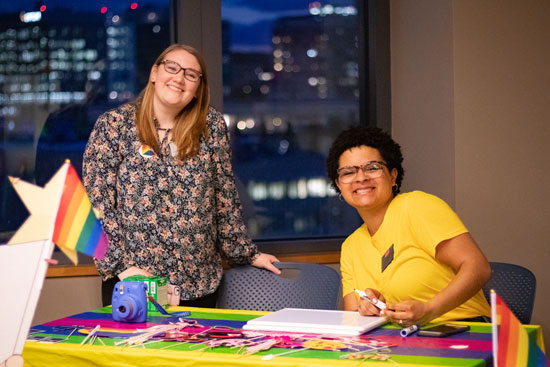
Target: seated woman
{"points": [[412, 251]]}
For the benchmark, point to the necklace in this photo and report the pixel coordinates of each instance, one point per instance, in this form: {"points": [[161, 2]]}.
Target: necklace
{"points": [[167, 130], [166, 146]]}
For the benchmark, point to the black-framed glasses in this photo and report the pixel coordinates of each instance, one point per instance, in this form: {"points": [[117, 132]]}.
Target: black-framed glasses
{"points": [[371, 169], [173, 67]]}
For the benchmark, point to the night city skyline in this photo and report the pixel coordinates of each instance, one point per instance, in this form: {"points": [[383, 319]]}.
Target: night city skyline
{"points": [[290, 82]]}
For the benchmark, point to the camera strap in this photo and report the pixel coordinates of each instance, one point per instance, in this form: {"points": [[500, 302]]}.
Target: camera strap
{"points": [[164, 312]]}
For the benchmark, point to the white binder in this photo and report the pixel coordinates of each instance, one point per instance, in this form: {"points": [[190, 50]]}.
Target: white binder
{"points": [[316, 321]]}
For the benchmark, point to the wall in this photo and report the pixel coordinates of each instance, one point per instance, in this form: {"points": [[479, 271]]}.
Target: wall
{"points": [[63, 297], [422, 94], [486, 152]]}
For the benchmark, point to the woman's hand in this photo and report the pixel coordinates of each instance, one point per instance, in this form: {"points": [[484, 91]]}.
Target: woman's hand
{"points": [[133, 270], [408, 313], [365, 307], [266, 261]]}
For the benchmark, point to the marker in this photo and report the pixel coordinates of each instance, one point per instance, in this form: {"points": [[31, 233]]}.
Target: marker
{"points": [[409, 330], [381, 305]]}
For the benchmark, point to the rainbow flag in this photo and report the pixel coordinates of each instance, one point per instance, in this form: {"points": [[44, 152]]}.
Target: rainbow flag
{"points": [[76, 226], [511, 344]]}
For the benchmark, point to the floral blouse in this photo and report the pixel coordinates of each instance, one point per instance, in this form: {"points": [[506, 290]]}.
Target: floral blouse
{"points": [[170, 217]]}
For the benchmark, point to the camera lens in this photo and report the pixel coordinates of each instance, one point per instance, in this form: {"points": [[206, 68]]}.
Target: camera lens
{"points": [[127, 308]]}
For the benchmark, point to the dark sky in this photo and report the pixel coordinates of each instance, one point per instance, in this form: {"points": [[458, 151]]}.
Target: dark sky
{"points": [[252, 10], [251, 20], [8, 6]]}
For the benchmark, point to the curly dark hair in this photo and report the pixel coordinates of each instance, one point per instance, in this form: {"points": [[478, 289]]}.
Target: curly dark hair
{"points": [[370, 136]]}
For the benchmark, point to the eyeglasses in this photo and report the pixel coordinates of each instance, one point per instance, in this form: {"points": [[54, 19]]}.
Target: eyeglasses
{"points": [[173, 67], [372, 169]]}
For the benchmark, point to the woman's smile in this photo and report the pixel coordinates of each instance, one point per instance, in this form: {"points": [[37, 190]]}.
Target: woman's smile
{"points": [[364, 190]]}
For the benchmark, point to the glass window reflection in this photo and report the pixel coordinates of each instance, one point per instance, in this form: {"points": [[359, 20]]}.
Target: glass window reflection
{"points": [[61, 65], [290, 83]]}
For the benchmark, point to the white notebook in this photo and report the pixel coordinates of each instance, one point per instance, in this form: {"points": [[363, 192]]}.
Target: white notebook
{"points": [[316, 321]]}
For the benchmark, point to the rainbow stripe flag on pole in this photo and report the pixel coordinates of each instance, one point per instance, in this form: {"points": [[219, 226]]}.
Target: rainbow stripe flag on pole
{"points": [[76, 226], [62, 213], [511, 344]]}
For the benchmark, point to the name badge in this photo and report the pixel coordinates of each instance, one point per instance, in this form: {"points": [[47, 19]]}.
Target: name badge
{"points": [[387, 258]]}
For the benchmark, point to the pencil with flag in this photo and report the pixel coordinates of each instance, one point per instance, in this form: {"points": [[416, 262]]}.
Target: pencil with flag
{"points": [[512, 346], [76, 225]]}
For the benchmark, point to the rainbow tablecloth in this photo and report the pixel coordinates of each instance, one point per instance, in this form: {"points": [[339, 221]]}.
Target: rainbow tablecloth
{"points": [[466, 349]]}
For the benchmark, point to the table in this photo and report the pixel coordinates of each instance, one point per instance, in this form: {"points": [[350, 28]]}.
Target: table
{"points": [[471, 348]]}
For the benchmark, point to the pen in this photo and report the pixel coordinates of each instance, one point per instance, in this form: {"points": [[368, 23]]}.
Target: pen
{"points": [[381, 305], [409, 330]]}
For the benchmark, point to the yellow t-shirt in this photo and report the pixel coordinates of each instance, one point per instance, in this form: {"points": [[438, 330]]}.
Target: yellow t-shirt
{"points": [[414, 224]]}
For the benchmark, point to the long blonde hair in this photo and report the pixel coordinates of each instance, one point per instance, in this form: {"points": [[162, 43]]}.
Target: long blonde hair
{"points": [[190, 122]]}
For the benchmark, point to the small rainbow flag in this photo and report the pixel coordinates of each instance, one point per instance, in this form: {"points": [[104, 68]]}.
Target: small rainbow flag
{"points": [[511, 344], [76, 226]]}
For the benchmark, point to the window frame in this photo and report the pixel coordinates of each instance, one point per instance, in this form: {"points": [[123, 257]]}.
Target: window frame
{"points": [[203, 31]]}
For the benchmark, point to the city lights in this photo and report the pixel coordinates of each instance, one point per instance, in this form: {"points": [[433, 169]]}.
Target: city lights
{"points": [[30, 17], [312, 52], [57, 76], [317, 9], [302, 188], [281, 98], [241, 125]]}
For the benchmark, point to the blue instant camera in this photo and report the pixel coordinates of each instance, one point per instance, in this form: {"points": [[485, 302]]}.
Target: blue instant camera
{"points": [[130, 302]]}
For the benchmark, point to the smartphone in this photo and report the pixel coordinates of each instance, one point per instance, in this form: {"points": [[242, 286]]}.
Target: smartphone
{"points": [[443, 330]]}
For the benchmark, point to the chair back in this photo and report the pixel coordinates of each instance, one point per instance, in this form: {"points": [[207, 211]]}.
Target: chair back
{"points": [[301, 285], [516, 286]]}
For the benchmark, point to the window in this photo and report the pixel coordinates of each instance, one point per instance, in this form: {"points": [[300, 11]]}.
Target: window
{"points": [[295, 73], [290, 84], [62, 64]]}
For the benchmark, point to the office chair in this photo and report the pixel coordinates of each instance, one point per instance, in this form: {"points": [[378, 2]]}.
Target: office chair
{"points": [[516, 286], [308, 286]]}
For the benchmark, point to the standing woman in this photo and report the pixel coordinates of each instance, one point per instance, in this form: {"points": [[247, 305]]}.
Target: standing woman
{"points": [[158, 171], [412, 251]]}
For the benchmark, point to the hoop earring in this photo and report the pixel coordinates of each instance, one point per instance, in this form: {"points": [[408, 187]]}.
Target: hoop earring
{"points": [[340, 197], [395, 188]]}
